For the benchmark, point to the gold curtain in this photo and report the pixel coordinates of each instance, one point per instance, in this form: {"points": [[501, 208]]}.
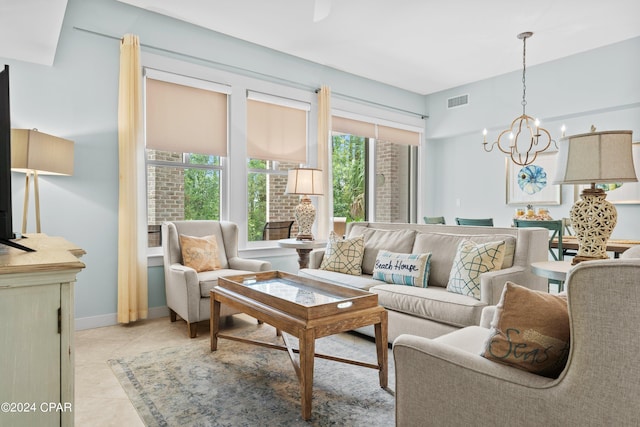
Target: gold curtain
{"points": [[132, 259], [325, 206]]}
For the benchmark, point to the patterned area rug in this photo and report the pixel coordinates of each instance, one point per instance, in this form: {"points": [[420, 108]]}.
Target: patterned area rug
{"points": [[246, 385]]}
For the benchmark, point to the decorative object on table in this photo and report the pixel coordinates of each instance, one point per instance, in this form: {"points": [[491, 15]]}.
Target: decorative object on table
{"points": [[619, 193], [37, 153], [531, 215], [524, 135], [591, 158], [305, 182], [531, 184]]}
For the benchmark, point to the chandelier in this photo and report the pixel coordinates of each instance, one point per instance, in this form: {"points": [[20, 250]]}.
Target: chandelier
{"points": [[525, 136]]}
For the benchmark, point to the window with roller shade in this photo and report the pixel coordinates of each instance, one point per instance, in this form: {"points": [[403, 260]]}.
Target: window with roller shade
{"points": [[186, 123], [374, 165], [276, 142]]}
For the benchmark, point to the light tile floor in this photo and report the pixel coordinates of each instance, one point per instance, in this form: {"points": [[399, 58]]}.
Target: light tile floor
{"points": [[100, 401]]}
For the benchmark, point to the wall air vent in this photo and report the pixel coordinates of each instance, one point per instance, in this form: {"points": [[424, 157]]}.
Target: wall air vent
{"points": [[457, 101]]}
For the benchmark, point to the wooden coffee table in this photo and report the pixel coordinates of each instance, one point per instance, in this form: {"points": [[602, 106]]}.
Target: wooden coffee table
{"points": [[307, 309]]}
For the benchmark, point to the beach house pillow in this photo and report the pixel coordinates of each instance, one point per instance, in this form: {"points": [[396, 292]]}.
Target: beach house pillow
{"points": [[471, 260], [200, 253], [402, 269], [343, 255], [530, 331]]}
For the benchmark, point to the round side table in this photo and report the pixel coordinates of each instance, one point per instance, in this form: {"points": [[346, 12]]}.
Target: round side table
{"points": [[554, 270], [303, 247]]}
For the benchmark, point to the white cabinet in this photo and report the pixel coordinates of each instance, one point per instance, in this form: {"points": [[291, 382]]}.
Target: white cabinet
{"points": [[36, 333]]}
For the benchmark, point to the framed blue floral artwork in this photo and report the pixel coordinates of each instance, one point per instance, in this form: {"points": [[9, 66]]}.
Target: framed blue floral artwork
{"points": [[531, 184]]}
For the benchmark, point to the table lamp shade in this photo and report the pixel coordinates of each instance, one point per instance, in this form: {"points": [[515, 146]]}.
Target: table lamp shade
{"points": [[305, 182], [37, 151], [597, 157]]}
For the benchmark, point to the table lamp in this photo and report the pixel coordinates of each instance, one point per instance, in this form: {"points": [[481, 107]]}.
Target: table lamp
{"points": [[37, 153], [305, 182], [592, 158]]}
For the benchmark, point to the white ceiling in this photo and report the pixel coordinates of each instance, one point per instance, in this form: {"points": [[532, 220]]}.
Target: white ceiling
{"points": [[420, 45]]}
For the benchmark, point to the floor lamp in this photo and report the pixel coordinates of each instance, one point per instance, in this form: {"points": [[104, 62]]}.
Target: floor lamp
{"points": [[593, 158], [37, 153]]}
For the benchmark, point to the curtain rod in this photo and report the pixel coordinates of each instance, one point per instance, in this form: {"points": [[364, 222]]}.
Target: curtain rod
{"points": [[245, 71]]}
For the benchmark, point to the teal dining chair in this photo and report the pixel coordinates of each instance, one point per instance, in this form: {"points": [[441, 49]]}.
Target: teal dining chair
{"points": [[434, 220], [487, 222]]}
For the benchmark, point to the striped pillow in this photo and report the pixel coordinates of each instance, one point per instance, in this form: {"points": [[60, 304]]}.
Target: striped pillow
{"points": [[402, 269]]}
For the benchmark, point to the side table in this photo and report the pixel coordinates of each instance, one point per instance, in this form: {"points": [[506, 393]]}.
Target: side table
{"points": [[554, 270], [303, 247]]}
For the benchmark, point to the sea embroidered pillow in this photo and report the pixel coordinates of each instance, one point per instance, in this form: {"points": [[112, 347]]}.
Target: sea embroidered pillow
{"points": [[200, 253], [402, 269], [471, 260], [530, 331], [343, 255]]}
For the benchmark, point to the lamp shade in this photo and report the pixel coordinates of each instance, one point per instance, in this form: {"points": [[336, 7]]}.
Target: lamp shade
{"points": [[305, 181], [38, 151], [597, 157]]}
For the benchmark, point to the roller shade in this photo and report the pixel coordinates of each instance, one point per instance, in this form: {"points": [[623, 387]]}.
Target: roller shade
{"points": [[185, 119], [276, 131], [380, 132]]}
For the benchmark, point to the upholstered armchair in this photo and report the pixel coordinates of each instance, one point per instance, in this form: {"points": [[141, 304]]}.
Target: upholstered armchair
{"points": [[187, 291], [445, 382]]}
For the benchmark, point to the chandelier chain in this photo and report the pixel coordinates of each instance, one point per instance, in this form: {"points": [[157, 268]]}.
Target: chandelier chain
{"points": [[524, 73]]}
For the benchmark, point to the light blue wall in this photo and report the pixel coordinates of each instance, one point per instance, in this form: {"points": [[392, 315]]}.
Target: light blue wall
{"points": [[599, 87], [76, 98]]}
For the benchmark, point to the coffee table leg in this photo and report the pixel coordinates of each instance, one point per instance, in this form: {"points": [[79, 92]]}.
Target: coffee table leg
{"points": [[307, 355], [214, 323], [382, 349]]}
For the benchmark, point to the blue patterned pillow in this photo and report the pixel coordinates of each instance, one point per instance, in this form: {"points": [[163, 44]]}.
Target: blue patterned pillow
{"points": [[471, 260], [402, 269]]}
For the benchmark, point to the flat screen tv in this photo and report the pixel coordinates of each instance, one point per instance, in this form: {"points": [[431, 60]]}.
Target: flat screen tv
{"points": [[6, 217]]}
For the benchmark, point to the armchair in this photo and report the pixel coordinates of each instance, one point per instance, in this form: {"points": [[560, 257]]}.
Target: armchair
{"points": [[445, 382], [188, 291]]}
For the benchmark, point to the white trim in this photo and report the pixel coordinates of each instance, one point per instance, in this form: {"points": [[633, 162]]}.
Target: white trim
{"points": [[278, 100], [155, 74], [111, 319]]}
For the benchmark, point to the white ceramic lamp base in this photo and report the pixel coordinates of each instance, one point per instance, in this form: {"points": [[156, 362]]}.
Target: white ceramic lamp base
{"points": [[593, 218], [305, 215]]}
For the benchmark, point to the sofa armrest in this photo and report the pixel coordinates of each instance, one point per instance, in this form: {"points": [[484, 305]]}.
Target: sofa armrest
{"points": [[449, 375], [315, 258], [237, 263], [492, 282]]}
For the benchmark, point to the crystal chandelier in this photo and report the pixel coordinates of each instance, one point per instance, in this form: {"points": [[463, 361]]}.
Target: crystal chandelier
{"points": [[525, 136]]}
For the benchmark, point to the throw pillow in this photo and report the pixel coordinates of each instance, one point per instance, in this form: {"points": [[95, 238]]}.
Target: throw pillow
{"points": [[471, 260], [530, 331], [375, 239], [343, 255], [402, 269], [200, 253]]}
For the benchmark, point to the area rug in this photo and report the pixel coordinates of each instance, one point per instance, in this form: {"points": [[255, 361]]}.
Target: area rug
{"points": [[246, 385]]}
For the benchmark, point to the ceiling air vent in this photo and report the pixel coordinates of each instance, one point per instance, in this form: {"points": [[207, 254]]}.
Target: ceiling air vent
{"points": [[457, 101]]}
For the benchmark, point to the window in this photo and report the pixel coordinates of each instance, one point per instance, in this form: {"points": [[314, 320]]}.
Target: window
{"points": [[374, 170], [186, 143], [276, 142]]}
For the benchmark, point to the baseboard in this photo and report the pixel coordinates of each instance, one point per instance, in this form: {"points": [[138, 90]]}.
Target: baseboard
{"points": [[111, 319]]}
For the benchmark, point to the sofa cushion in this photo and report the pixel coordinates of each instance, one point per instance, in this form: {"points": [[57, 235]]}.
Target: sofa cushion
{"points": [[363, 282], [343, 255], [209, 279], [200, 253], [530, 331], [470, 262], [443, 248], [431, 303], [402, 269], [400, 241]]}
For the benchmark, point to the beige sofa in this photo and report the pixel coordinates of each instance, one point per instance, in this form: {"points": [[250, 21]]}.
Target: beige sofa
{"points": [[433, 311], [599, 385]]}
